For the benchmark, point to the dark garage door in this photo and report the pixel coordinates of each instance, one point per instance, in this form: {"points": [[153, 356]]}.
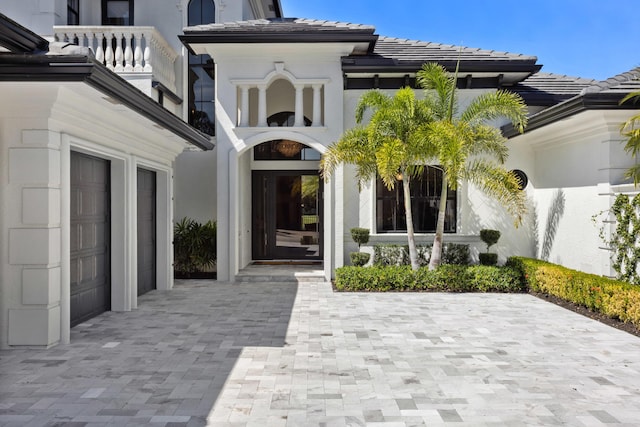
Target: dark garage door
{"points": [[90, 237], [146, 231]]}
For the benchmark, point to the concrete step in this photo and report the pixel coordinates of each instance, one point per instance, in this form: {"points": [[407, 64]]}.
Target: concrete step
{"points": [[281, 273]]}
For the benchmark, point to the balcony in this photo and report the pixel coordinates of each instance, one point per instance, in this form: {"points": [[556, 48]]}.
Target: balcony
{"points": [[126, 50]]}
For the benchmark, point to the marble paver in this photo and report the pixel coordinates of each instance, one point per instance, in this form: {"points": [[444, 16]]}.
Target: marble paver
{"points": [[288, 354]]}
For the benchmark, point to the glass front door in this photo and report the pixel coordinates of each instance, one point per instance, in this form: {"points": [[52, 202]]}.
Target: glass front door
{"points": [[287, 215]]}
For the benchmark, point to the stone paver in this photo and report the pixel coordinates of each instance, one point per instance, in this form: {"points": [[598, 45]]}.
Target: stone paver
{"points": [[288, 354]]}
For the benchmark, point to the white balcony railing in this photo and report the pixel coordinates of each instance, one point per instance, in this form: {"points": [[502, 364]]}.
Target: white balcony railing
{"points": [[126, 49]]}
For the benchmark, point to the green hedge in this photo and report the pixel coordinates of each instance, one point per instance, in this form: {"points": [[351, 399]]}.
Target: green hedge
{"points": [[618, 300], [392, 254], [451, 278]]}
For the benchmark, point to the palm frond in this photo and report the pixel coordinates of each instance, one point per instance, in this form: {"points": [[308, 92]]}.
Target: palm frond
{"points": [[493, 105], [371, 100], [439, 88], [352, 148], [633, 173], [389, 160], [632, 95], [499, 183], [489, 140]]}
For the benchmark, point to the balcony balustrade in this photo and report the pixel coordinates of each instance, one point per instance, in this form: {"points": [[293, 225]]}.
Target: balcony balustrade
{"points": [[126, 49]]}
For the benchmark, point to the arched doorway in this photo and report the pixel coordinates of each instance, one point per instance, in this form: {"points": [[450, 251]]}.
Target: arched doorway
{"points": [[286, 203]]}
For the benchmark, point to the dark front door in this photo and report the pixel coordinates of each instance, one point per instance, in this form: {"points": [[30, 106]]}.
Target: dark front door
{"points": [[146, 231], [286, 215], [90, 237]]}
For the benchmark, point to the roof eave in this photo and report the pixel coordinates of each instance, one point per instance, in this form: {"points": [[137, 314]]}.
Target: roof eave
{"points": [[571, 107], [75, 68], [208, 37], [387, 65], [19, 39]]}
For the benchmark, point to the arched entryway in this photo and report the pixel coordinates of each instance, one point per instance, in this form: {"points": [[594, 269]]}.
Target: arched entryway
{"points": [[286, 217]]}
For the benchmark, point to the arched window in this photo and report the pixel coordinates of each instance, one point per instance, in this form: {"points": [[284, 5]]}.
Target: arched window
{"points": [[201, 72]]}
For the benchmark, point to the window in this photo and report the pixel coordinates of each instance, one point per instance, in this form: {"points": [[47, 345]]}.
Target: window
{"points": [[73, 12], [425, 197], [117, 12], [201, 81]]}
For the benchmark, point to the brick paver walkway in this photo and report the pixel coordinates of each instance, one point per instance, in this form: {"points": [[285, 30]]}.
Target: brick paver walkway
{"points": [[283, 354]]}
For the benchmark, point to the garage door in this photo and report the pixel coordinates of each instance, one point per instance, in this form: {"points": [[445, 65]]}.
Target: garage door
{"points": [[146, 231], [90, 237]]}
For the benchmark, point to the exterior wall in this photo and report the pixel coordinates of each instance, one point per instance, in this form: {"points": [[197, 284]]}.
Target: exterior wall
{"points": [[577, 164], [40, 124], [195, 185]]}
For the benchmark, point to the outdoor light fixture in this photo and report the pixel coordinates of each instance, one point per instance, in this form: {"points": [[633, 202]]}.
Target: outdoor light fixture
{"points": [[288, 148]]}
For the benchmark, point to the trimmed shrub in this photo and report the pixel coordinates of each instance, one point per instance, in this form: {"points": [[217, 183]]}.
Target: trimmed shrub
{"points": [[446, 278], [616, 299], [488, 258], [390, 254], [454, 253], [359, 258]]}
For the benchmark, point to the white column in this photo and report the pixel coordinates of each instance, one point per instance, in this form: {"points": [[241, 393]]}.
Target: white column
{"points": [[299, 113], [262, 106], [317, 106], [244, 106]]}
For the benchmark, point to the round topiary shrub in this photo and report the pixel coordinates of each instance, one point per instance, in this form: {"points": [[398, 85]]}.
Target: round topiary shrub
{"points": [[359, 259], [360, 235], [489, 237]]}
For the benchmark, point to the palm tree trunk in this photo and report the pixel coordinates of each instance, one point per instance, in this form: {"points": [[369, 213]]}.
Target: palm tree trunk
{"points": [[411, 240], [436, 251]]}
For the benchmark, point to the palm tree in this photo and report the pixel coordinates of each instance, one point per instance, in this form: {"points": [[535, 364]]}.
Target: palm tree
{"points": [[467, 147], [390, 145], [631, 130]]}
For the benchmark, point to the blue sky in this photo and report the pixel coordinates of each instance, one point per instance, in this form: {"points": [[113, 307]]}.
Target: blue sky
{"points": [[584, 38]]}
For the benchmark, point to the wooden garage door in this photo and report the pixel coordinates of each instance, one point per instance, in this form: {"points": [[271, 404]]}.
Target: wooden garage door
{"points": [[90, 237], [146, 231]]}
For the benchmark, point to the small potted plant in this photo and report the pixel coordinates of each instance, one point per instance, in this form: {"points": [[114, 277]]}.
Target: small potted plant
{"points": [[360, 236], [490, 238]]}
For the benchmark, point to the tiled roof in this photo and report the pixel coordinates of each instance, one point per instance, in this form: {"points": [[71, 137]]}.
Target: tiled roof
{"points": [[624, 82], [594, 95], [419, 51], [281, 25], [381, 53], [394, 55], [549, 89]]}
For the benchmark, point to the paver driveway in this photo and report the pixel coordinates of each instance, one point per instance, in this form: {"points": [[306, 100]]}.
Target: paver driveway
{"points": [[283, 354]]}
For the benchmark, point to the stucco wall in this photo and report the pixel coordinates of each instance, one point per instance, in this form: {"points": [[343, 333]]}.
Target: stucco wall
{"points": [[575, 164], [195, 185]]}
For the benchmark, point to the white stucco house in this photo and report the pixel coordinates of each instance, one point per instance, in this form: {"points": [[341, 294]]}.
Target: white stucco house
{"points": [[120, 117]]}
